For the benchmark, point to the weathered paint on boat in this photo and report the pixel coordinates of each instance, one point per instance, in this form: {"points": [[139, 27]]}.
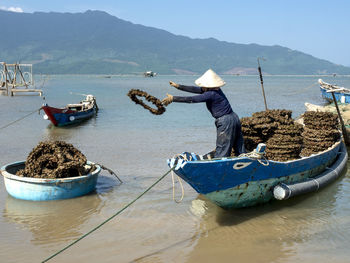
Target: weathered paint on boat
{"points": [[62, 117], [342, 97], [243, 181], [284, 191], [37, 189]]}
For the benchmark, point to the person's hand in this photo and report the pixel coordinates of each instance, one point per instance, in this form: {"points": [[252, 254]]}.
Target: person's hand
{"points": [[175, 85], [169, 99]]}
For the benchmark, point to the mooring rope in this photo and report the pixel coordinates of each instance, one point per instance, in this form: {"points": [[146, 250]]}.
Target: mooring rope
{"points": [[110, 171], [110, 218], [301, 91], [13, 122], [182, 188]]}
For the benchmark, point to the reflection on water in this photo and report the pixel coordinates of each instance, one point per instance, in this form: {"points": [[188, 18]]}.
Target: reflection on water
{"points": [[52, 221], [266, 233], [274, 232], [65, 133]]}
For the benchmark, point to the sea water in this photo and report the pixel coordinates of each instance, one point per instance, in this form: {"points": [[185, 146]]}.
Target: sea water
{"points": [[135, 144]]}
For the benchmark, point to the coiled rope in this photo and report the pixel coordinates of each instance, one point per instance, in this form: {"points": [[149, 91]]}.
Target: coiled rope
{"points": [[110, 218], [13, 122], [135, 93], [260, 157]]}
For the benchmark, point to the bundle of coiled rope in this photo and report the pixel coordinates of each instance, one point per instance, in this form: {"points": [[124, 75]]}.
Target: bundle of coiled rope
{"points": [[134, 95]]}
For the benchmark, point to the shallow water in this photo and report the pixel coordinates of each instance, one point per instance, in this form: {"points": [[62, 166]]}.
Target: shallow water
{"points": [[135, 144]]}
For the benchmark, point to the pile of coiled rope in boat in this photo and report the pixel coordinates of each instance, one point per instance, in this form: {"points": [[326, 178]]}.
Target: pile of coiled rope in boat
{"points": [[287, 140]]}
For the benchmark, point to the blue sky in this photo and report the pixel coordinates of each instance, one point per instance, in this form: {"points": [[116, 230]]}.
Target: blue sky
{"points": [[320, 28]]}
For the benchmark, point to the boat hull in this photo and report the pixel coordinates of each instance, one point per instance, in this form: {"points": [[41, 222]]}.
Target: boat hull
{"points": [[38, 189], [241, 182], [63, 117], [342, 97]]}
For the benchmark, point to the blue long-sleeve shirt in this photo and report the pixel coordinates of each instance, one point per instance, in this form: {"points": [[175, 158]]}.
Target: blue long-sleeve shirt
{"points": [[215, 100]]}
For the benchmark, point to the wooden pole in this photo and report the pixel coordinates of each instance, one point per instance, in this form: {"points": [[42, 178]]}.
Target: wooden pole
{"points": [[20, 72], [262, 83], [15, 76], [345, 134], [6, 82]]}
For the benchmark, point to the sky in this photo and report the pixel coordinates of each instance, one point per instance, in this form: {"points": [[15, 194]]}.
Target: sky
{"points": [[320, 28]]}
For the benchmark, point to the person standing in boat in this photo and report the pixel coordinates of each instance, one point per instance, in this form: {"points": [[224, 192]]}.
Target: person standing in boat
{"points": [[228, 125]]}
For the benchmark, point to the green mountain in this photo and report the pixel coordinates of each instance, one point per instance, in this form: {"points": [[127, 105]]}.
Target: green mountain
{"points": [[95, 42]]}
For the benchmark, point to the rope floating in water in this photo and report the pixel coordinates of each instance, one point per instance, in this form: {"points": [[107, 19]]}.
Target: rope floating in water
{"points": [[135, 93], [110, 218], [13, 122]]}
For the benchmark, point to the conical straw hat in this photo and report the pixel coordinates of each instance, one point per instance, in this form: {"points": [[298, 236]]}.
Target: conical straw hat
{"points": [[210, 80]]}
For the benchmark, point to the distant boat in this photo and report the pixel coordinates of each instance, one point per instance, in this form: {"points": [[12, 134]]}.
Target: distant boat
{"points": [[341, 94], [247, 181], [150, 74], [72, 113]]}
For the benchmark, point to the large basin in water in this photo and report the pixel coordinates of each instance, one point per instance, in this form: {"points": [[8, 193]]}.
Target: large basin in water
{"points": [[43, 189]]}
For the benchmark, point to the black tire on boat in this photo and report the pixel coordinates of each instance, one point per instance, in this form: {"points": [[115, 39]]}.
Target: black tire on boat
{"points": [[135, 93]]}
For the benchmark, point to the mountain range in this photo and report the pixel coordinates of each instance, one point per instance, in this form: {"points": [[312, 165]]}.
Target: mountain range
{"points": [[95, 42]]}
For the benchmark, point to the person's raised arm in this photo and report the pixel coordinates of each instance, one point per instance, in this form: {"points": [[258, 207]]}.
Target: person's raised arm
{"points": [[192, 89]]}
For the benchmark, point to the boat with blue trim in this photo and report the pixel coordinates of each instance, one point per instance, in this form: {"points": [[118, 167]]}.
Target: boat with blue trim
{"points": [[248, 180], [72, 113], [341, 94]]}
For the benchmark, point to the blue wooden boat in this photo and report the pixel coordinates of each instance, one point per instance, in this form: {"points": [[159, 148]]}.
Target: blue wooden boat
{"points": [[72, 113], [40, 189], [341, 94], [246, 181]]}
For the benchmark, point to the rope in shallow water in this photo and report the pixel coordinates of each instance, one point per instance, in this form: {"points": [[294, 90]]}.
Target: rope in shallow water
{"points": [[110, 218], [301, 91], [13, 122]]}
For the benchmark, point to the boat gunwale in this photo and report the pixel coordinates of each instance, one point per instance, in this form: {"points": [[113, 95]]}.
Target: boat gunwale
{"points": [[67, 110], [342, 92], [224, 159]]}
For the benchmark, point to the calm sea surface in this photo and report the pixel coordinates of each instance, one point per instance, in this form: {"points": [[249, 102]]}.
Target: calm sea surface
{"points": [[135, 144]]}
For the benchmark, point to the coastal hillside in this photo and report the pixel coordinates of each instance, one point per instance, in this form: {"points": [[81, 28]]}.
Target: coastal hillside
{"points": [[95, 42]]}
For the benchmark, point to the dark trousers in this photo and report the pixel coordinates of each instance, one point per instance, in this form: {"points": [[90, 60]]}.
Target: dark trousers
{"points": [[229, 135]]}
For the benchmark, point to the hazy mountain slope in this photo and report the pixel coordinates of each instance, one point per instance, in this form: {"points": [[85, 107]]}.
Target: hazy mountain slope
{"points": [[96, 42]]}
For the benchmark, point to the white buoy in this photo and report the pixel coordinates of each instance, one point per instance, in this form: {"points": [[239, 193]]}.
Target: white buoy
{"points": [[342, 99]]}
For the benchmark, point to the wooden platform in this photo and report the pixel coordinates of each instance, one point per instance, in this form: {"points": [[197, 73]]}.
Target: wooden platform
{"points": [[13, 91], [13, 80]]}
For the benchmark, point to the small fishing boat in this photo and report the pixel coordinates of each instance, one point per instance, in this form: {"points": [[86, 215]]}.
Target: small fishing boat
{"points": [[341, 94], [72, 113], [150, 74], [246, 181], [44, 189]]}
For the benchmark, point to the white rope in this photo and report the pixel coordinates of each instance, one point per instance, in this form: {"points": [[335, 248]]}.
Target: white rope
{"points": [[182, 187], [256, 155], [317, 184]]}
